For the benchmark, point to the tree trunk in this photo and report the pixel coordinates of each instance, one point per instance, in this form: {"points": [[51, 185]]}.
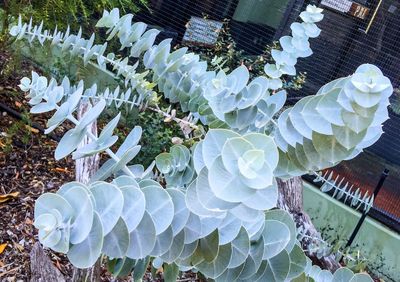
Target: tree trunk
{"points": [[84, 169], [42, 267], [291, 200]]}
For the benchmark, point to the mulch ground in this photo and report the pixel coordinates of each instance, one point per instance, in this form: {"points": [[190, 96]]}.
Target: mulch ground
{"points": [[27, 170]]}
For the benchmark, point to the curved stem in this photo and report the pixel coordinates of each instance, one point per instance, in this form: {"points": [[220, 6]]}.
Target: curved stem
{"points": [[108, 151], [157, 110], [118, 65]]}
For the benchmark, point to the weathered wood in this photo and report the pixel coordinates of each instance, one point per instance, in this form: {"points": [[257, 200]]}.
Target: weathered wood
{"points": [[291, 200], [84, 169], [42, 268]]}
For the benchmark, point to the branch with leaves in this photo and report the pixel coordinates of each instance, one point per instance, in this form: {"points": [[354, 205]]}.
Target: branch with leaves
{"points": [[344, 191], [336, 124]]}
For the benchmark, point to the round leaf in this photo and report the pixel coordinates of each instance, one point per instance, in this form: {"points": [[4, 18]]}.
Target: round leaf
{"points": [[109, 203], [116, 242], [86, 253], [142, 239], [160, 207]]}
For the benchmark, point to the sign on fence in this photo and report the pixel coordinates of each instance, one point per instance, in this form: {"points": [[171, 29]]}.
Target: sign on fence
{"points": [[349, 7], [359, 11], [202, 31], [338, 5]]}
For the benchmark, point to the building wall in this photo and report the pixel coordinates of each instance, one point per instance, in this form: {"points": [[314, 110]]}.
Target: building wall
{"points": [[377, 243], [267, 12]]}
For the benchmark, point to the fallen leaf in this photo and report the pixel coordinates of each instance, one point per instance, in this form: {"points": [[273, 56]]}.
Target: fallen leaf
{"points": [[8, 272], [19, 247], [31, 129], [2, 248], [6, 197], [59, 169], [58, 265], [18, 104]]}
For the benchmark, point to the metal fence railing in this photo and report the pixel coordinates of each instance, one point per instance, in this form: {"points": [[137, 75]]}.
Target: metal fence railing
{"points": [[353, 32]]}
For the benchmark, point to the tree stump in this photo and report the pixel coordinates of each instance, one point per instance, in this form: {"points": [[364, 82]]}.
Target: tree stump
{"points": [[42, 268]]}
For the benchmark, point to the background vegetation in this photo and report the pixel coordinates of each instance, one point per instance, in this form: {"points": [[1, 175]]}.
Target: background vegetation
{"points": [[62, 13]]}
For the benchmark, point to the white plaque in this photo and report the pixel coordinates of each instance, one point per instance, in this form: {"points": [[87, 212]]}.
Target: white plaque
{"points": [[339, 5], [202, 31]]}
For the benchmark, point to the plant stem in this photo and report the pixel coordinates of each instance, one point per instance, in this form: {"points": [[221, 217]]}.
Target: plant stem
{"points": [[108, 151], [117, 64]]}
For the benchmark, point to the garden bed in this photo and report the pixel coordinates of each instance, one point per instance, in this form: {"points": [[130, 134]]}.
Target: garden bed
{"points": [[27, 170]]}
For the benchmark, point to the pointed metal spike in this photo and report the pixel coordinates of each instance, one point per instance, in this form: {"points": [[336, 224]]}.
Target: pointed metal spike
{"points": [[340, 182], [330, 175]]}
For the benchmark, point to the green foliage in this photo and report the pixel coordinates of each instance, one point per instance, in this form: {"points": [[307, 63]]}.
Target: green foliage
{"points": [[157, 136], [343, 191], [336, 124], [342, 274], [351, 256], [225, 159], [62, 13], [175, 166], [225, 55], [120, 267], [171, 272], [17, 132], [85, 221], [395, 105]]}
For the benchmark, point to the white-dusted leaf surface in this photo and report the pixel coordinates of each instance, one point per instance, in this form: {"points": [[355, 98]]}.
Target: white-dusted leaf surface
{"points": [[181, 212], [240, 249], [86, 253], [218, 265], [286, 218], [116, 242], [226, 186], [343, 275], [276, 237], [206, 196], [134, 206], [213, 143], [163, 242], [79, 200], [109, 204], [48, 201], [142, 239], [160, 207], [175, 249]]}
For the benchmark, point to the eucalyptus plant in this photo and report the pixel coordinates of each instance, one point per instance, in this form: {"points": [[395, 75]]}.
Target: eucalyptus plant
{"points": [[217, 212], [342, 190]]}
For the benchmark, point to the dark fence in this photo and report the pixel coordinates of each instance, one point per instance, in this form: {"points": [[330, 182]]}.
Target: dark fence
{"points": [[353, 33]]}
